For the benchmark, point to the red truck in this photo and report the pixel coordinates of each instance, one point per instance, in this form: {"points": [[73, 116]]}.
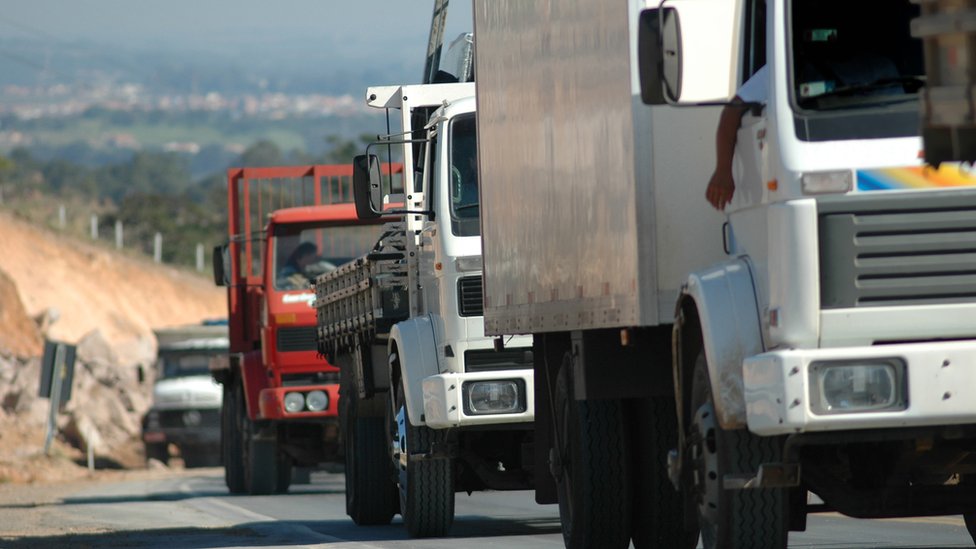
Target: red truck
{"points": [[280, 397]]}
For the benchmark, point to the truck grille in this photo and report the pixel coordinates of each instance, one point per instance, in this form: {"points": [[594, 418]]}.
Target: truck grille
{"points": [[309, 378], [469, 296], [176, 419], [486, 360], [296, 339], [906, 249]]}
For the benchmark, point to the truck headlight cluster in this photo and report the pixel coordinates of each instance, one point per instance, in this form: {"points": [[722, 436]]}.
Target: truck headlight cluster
{"points": [[312, 401], [846, 387], [505, 396]]}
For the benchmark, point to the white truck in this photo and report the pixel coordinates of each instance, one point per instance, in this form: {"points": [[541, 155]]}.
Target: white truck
{"points": [[428, 406], [819, 336], [186, 402]]}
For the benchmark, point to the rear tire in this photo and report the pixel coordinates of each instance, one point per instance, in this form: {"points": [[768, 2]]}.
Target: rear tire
{"points": [[754, 518], [658, 519], [592, 473], [231, 438], [370, 498], [426, 485]]}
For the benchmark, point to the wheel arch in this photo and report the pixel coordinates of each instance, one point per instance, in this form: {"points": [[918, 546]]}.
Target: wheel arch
{"points": [[718, 313], [413, 357]]}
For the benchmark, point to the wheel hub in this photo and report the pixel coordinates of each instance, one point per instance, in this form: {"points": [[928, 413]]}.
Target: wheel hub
{"points": [[704, 462]]}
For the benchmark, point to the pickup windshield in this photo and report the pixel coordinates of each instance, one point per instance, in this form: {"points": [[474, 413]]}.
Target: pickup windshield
{"points": [[302, 253], [856, 69], [173, 364], [464, 177]]}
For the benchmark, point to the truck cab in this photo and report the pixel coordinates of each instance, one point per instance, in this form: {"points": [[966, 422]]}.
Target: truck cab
{"points": [[281, 400], [405, 324], [846, 256], [450, 276]]}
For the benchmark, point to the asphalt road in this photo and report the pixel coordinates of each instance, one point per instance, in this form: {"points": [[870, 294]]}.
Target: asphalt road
{"points": [[193, 510]]}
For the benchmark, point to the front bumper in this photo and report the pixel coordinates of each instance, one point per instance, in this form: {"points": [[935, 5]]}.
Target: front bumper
{"points": [[940, 387], [444, 399], [197, 426], [271, 403]]}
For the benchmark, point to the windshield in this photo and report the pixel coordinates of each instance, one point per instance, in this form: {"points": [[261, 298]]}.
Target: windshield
{"points": [[189, 363], [303, 253], [855, 56], [464, 177]]}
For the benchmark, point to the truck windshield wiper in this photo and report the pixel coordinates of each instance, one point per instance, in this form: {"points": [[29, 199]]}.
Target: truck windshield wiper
{"points": [[466, 206]]}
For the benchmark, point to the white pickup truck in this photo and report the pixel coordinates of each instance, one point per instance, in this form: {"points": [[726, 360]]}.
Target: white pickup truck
{"points": [[186, 401]]}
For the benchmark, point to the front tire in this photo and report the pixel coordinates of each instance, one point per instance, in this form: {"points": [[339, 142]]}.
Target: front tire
{"points": [[426, 485], [590, 467], [260, 459], [970, 519], [285, 470], [730, 519]]}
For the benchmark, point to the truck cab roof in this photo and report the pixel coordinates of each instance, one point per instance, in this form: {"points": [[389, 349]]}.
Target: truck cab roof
{"points": [[305, 214]]}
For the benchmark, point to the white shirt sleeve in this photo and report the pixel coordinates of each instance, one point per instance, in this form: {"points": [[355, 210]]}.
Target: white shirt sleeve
{"points": [[756, 88]]}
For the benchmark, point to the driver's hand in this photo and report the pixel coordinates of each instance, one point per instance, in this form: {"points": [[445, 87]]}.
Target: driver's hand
{"points": [[720, 190]]}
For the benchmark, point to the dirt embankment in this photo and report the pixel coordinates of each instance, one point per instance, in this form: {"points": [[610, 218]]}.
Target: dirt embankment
{"points": [[105, 302]]}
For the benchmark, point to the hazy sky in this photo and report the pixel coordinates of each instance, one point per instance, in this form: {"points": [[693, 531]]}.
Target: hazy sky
{"points": [[396, 29]]}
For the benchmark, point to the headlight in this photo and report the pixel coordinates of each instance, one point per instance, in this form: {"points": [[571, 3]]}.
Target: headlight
{"points": [[855, 387], [827, 182], [493, 397], [294, 402], [191, 418], [317, 401]]}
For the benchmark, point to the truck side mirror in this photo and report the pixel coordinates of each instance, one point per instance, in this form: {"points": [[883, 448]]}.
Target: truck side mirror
{"points": [[367, 188], [659, 56], [221, 265]]}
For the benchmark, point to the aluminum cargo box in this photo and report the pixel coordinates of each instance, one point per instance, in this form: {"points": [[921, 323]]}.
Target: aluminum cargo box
{"points": [[575, 233]]}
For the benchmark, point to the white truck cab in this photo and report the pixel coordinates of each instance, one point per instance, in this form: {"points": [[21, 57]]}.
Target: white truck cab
{"points": [[405, 323]]}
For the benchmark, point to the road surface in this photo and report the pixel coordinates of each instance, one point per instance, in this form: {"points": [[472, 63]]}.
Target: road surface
{"points": [[192, 509]]}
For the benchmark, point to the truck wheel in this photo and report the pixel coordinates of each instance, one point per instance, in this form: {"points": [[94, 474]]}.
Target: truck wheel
{"points": [[158, 451], [426, 485], [590, 468], [753, 518], [284, 468], [658, 520], [370, 498], [260, 462], [232, 412]]}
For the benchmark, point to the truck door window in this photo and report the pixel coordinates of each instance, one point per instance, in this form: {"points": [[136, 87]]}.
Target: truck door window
{"points": [[303, 253], [754, 48], [431, 168], [464, 177]]}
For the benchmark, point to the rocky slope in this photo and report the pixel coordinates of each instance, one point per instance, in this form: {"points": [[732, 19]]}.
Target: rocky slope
{"points": [[107, 304]]}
